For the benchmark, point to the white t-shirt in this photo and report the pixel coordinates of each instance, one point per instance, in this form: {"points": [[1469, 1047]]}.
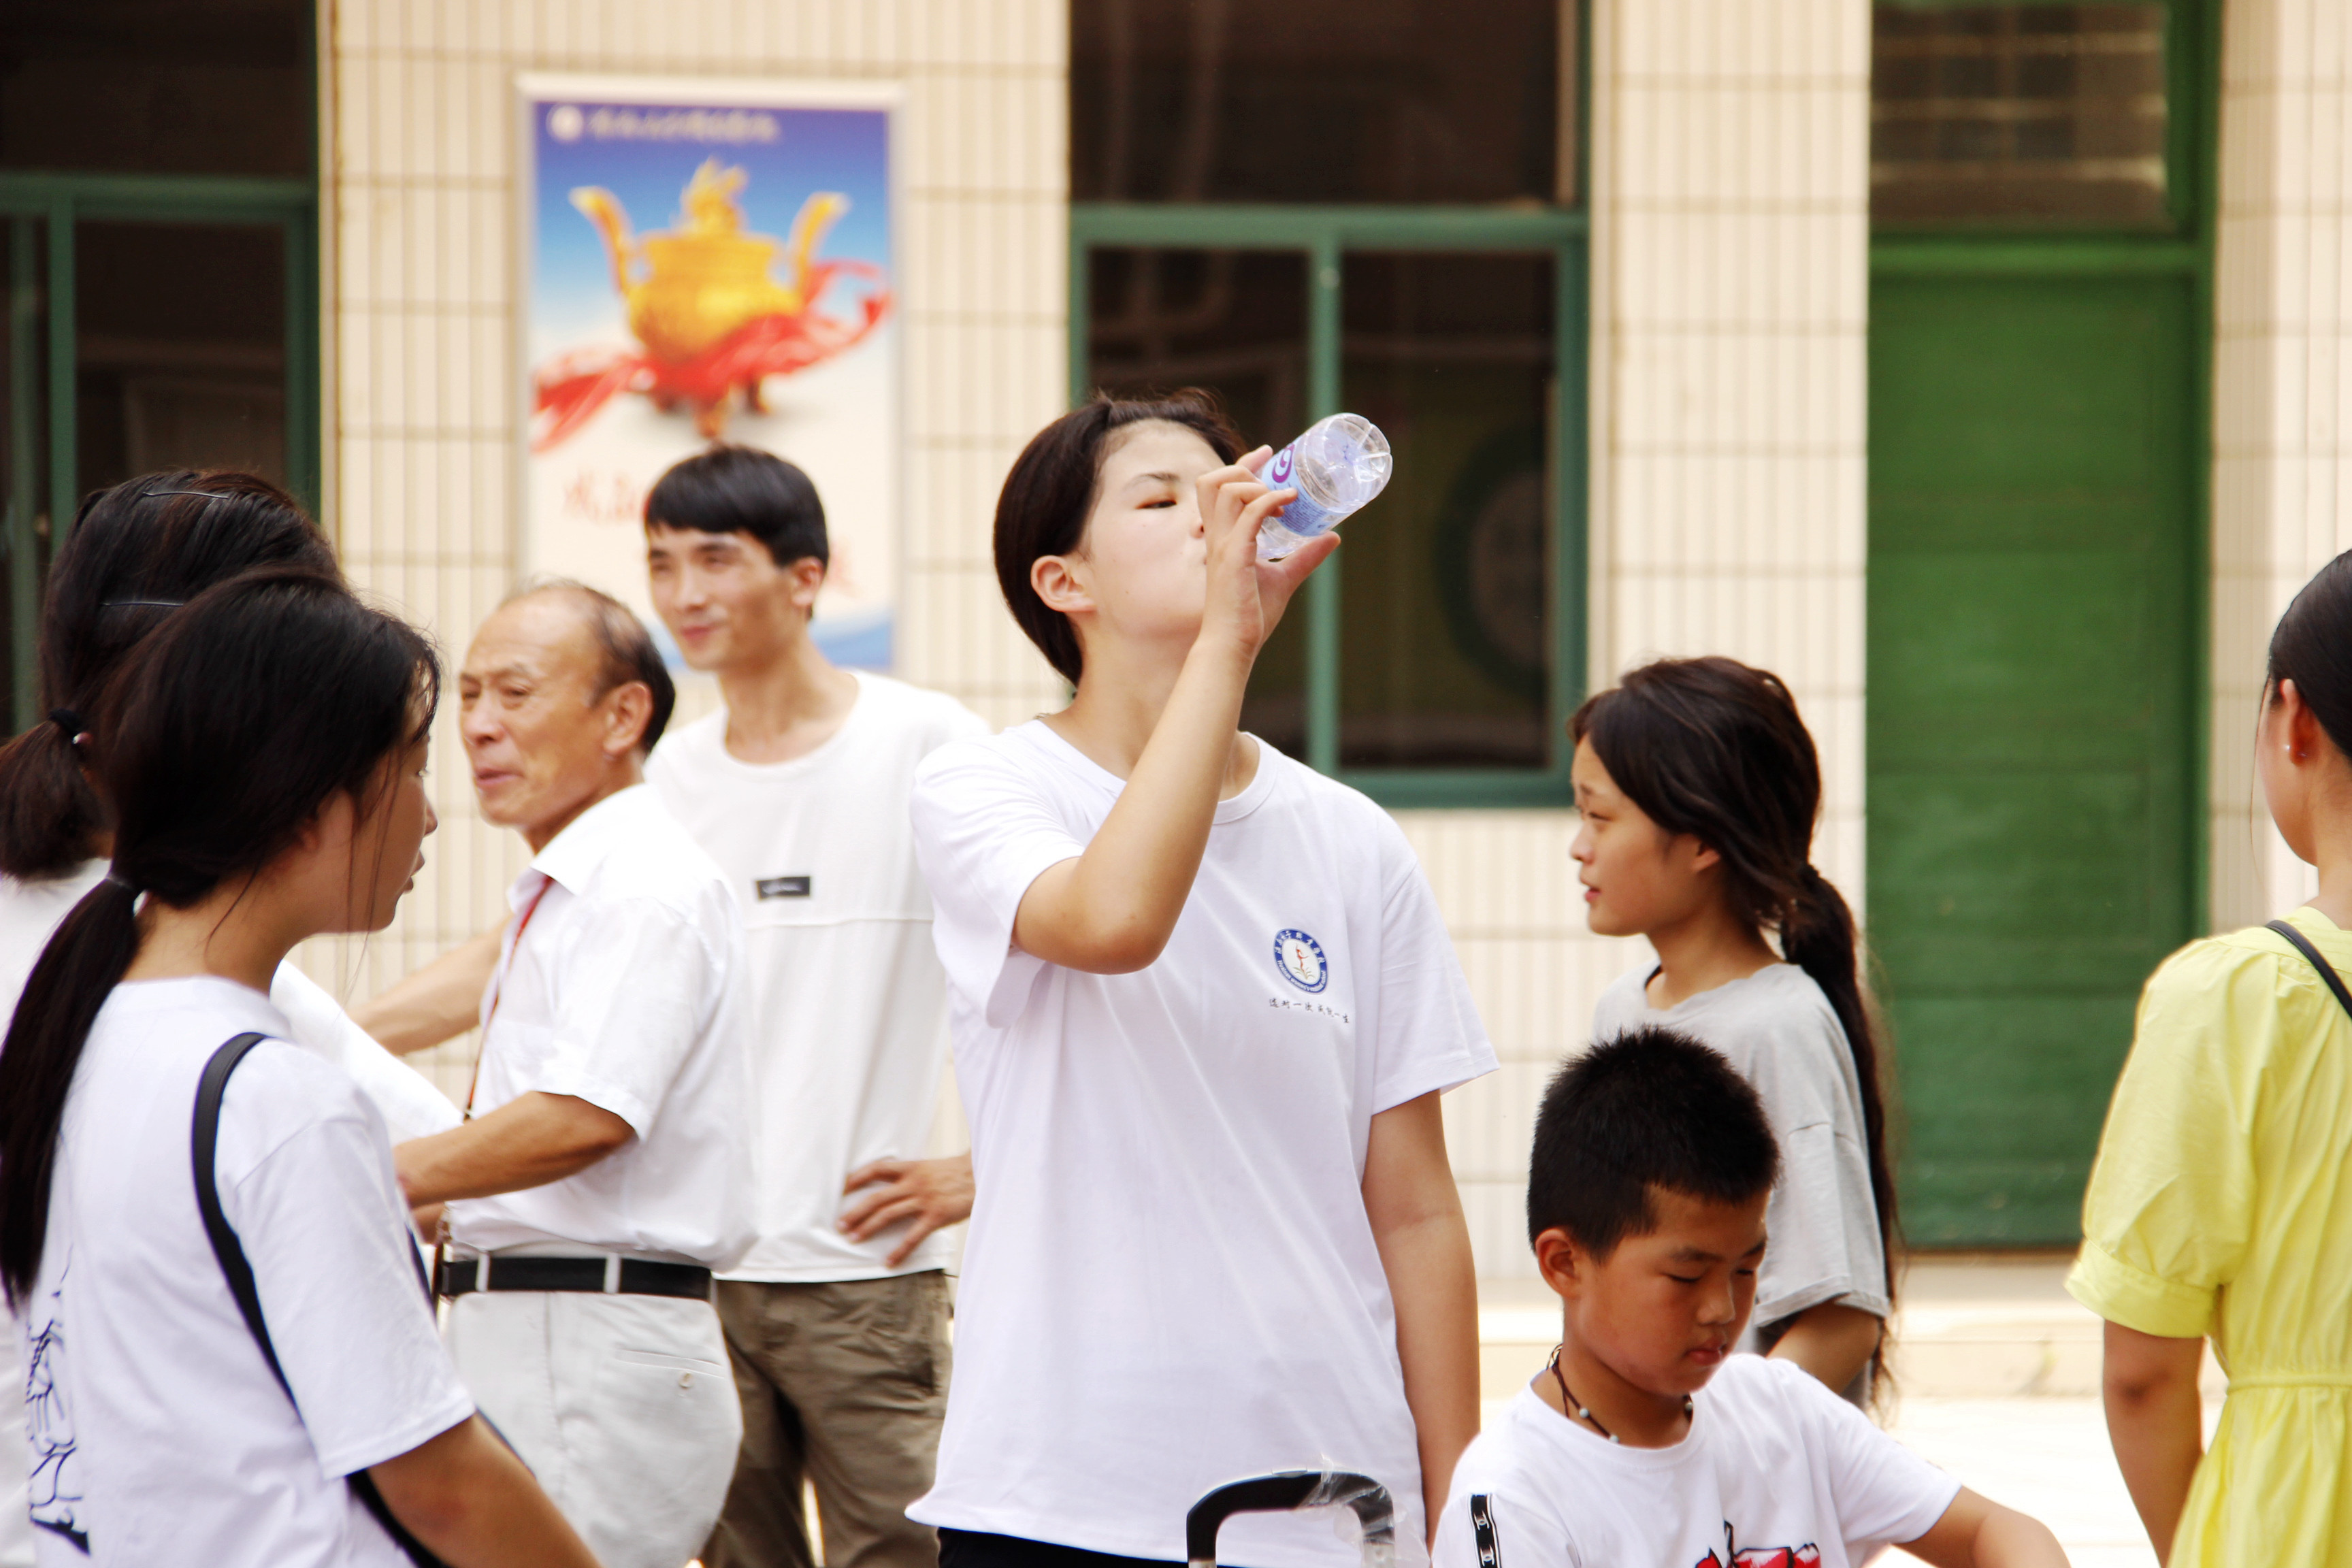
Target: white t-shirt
{"points": [[1778, 1029], [158, 1431], [1170, 1280], [621, 983], [30, 913], [1774, 1465], [848, 1015]]}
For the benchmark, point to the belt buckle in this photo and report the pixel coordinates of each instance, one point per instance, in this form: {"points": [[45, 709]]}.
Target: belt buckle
{"points": [[612, 1274]]}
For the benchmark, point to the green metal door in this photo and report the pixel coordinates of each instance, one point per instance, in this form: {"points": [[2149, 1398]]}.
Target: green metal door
{"points": [[2032, 743]]}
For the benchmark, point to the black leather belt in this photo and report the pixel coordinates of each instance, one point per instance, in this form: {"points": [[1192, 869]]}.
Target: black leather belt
{"points": [[587, 1276]]}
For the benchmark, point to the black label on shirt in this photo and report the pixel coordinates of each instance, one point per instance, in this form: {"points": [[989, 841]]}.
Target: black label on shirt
{"points": [[782, 887], [1482, 1529]]}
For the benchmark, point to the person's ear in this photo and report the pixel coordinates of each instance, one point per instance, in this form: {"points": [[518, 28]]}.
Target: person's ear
{"points": [[2304, 737], [628, 709], [807, 577], [1564, 1267], [1060, 580]]}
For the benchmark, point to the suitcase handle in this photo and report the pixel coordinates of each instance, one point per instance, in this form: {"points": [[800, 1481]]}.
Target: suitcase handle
{"points": [[1288, 1491]]}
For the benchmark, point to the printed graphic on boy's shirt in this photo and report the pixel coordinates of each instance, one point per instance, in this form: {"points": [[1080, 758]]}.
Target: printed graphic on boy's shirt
{"points": [[782, 887], [1737, 1556]]}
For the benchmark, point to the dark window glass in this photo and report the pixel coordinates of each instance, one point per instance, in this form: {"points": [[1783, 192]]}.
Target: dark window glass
{"points": [[180, 333], [158, 87], [1233, 321], [1446, 629], [2022, 113], [24, 456], [1318, 101]]}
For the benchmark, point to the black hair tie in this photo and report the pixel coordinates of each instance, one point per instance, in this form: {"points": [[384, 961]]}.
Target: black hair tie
{"points": [[67, 719]]}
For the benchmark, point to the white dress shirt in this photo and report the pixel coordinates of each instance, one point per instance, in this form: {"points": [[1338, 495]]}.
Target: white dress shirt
{"points": [[621, 984]]}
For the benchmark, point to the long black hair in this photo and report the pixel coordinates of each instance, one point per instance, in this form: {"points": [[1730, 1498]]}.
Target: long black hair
{"points": [[136, 551], [1714, 748], [2313, 647], [1050, 493], [219, 739]]}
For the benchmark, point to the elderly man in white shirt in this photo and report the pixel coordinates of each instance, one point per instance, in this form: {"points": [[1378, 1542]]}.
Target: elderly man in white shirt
{"points": [[605, 1168]]}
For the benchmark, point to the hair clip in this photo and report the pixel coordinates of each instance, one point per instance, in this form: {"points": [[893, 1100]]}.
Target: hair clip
{"points": [[208, 495], [67, 719], [141, 604]]}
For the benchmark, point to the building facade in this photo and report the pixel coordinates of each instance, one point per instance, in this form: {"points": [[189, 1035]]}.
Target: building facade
{"points": [[1982, 370]]}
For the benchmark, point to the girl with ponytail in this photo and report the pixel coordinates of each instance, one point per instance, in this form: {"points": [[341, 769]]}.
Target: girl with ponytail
{"points": [[2218, 1207], [137, 552], [261, 759], [1700, 789]]}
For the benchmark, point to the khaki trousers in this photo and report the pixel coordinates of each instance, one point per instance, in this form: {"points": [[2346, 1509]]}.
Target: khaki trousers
{"points": [[844, 1385]]}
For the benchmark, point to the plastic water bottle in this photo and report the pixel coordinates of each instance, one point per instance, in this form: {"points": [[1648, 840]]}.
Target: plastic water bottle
{"points": [[1341, 463]]}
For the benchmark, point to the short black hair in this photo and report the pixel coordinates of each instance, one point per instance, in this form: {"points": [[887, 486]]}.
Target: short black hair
{"points": [[1651, 1109], [741, 490], [626, 649], [1050, 493]]}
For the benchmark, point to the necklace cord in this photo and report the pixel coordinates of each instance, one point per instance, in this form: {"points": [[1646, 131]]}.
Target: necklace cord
{"points": [[1579, 1413]]}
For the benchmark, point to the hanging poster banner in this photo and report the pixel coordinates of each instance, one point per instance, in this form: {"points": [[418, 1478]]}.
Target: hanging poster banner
{"points": [[704, 261]]}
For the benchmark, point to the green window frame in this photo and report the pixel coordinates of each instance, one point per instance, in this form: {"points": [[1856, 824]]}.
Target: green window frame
{"points": [[45, 328], [1324, 235]]}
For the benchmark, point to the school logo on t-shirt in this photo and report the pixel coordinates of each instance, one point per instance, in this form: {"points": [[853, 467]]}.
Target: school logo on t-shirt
{"points": [[1300, 959]]}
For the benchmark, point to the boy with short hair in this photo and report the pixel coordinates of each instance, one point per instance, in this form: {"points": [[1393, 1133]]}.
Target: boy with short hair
{"points": [[1646, 1442]]}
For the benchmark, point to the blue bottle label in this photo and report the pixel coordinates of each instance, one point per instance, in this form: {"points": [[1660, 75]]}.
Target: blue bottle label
{"points": [[1302, 517]]}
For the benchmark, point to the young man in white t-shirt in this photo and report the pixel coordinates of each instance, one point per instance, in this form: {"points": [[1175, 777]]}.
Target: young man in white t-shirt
{"points": [[1648, 1443], [837, 1318]]}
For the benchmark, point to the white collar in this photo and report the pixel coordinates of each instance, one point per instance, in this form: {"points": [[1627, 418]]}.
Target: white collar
{"points": [[573, 856]]}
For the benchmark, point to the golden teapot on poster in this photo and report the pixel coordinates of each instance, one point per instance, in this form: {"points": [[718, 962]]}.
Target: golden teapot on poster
{"points": [[706, 302]]}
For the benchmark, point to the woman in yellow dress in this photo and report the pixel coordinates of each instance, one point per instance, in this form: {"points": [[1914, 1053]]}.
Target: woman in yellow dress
{"points": [[2220, 1206]]}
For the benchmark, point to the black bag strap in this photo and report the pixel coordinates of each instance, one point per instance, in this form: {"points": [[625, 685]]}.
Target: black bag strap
{"points": [[2302, 944], [203, 1140]]}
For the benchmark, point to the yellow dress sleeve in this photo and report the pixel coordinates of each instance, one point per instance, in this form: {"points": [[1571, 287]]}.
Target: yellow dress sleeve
{"points": [[2169, 1207]]}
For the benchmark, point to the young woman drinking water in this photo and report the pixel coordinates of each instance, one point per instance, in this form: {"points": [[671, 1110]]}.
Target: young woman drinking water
{"points": [[1202, 1007], [1699, 788], [261, 758]]}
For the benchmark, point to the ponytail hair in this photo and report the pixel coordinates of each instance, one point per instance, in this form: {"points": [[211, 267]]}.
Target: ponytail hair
{"points": [[135, 554], [220, 738], [2313, 647], [1714, 748]]}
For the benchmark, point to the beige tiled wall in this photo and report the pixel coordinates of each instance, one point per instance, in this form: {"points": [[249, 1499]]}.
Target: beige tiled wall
{"points": [[420, 131], [1729, 191], [2282, 392], [1730, 251]]}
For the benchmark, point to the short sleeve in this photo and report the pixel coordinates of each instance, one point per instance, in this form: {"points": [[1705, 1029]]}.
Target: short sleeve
{"points": [[2168, 1214], [1430, 1036], [983, 833], [411, 1106], [319, 1218], [1824, 1223], [1884, 1492], [1494, 1529], [639, 982]]}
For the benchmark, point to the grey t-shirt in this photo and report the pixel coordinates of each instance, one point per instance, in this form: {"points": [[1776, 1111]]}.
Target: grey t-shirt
{"points": [[1777, 1028]]}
